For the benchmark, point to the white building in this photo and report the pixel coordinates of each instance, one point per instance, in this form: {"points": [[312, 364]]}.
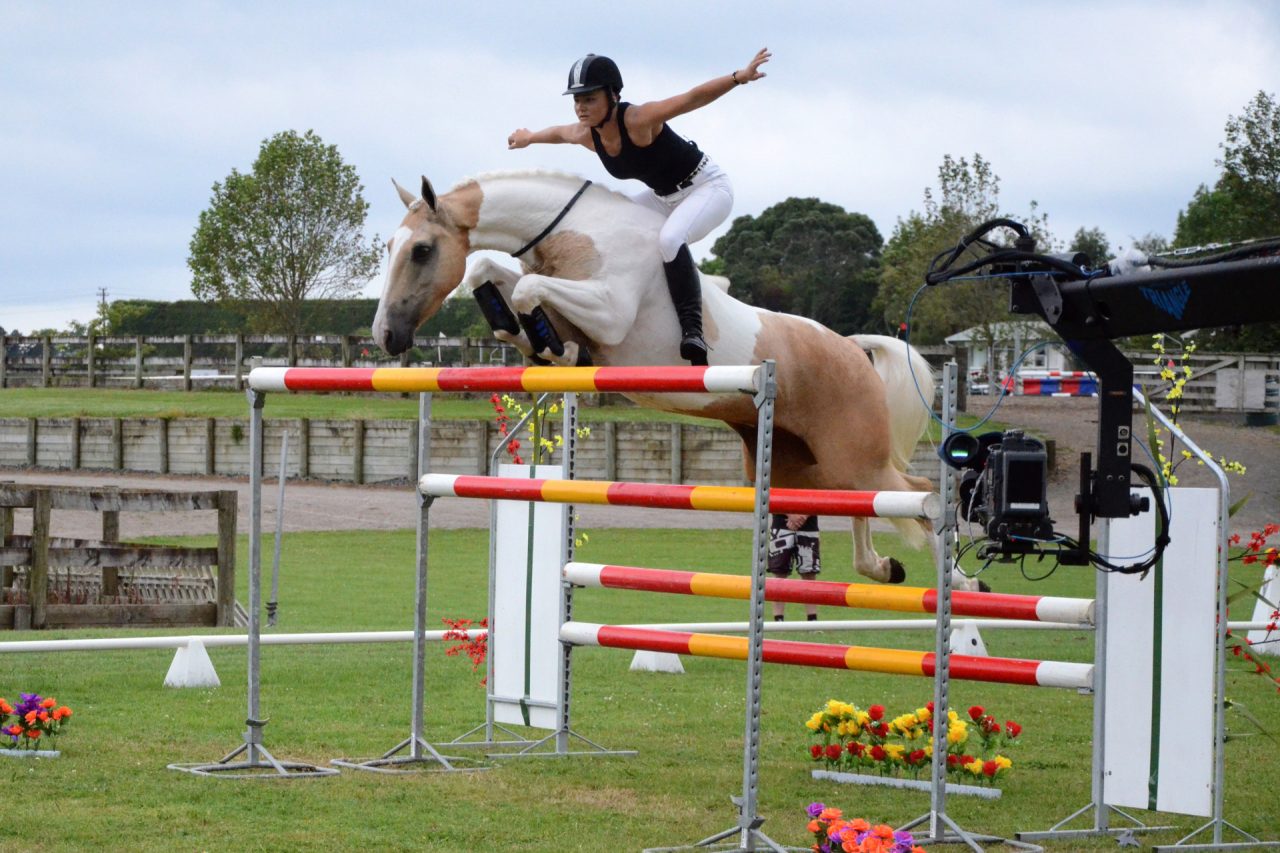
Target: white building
{"points": [[1008, 340]]}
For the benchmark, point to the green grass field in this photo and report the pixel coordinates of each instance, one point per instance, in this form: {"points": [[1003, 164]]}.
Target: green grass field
{"points": [[111, 788], [123, 403]]}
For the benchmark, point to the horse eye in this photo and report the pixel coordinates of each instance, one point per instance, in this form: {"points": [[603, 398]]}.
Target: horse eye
{"points": [[421, 251]]}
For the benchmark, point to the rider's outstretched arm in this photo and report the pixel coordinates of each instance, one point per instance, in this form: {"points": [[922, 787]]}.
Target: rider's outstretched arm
{"points": [[654, 113], [558, 134]]}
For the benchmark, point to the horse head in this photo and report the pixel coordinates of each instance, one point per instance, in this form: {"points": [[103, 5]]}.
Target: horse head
{"points": [[426, 260]]}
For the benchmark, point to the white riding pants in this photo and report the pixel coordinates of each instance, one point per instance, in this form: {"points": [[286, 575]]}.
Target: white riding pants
{"points": [[691, 213]]}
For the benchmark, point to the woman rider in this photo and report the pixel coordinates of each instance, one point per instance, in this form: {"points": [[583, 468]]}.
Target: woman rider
{"points": [[681, 182]]}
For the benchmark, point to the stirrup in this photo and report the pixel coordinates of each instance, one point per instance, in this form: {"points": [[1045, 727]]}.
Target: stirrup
{"points": [[693, 349]]}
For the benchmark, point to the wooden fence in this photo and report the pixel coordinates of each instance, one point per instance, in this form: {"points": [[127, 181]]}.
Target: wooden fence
{"points": [[50, 582], [183, 362]]}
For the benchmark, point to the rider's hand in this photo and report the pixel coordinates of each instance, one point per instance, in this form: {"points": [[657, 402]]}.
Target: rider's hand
{"points": [[519, 138], [752, 71], [795, 522]]}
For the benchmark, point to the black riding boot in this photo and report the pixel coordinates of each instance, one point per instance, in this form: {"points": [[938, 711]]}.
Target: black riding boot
{"points": [[686, 296]]}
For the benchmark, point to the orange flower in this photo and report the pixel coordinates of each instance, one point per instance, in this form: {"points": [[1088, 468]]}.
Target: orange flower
{"points": [[882, 830], [33, 733], [43, 716], [814, 826], [66, 710], [859, 825], [30, 717], [15, 729], [5, 707], [49, 703], [830, 814]]}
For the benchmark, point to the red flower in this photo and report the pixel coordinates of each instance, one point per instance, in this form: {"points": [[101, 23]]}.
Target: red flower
{"points": [[915, 756], [876, 712], [929, 705], [856, 748], [976, 712], [989, 768], [833, 751], [953, 760], [880, 730], [878, 753], [1012, 728]]}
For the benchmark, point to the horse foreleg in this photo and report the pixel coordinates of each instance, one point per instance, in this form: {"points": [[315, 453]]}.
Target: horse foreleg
{"points": [[504, 280], [604, 314], [870, 564]]}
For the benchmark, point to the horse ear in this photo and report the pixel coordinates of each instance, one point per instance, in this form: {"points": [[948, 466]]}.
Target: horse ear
{"points": [[405, 196], [428, 194]]}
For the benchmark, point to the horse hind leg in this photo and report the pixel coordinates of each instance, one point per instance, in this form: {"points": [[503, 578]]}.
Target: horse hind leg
{"points": [[867, 562]]}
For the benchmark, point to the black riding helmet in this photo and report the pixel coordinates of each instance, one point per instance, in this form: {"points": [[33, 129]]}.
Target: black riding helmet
{"points": [[593, 72]]}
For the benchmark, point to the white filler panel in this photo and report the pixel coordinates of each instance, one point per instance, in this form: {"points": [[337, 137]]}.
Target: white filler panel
{"points": [[1159, 675], [525, 637]]}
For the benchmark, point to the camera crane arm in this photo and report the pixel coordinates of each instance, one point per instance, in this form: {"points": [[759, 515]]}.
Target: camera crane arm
{"points": [[1089, 314]]}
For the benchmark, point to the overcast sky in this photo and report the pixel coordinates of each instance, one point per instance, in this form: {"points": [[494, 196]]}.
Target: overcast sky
{"points": [[117, 118]]}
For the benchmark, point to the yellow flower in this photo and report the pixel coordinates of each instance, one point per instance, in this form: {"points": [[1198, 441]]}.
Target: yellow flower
{"points": [[974, 767], [958, 733], [894, 751], [814, 722], [1002, 762]]}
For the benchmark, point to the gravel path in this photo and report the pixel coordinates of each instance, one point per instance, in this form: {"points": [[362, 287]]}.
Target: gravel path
{"points": [[1071, 422]]}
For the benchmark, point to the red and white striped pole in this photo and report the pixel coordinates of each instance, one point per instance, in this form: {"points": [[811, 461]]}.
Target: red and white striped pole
{"points": [[1073, 676], [903, 599]]}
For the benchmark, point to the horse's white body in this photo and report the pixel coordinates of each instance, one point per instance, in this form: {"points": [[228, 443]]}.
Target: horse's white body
{"points": [[840, 422]]}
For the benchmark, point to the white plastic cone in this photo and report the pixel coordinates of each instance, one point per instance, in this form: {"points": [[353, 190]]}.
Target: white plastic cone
{"points": [[965, 640], [191, 667], [657, 662]]}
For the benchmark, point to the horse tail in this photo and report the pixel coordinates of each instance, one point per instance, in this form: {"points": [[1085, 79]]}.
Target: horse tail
{"points": [[908, 390]]}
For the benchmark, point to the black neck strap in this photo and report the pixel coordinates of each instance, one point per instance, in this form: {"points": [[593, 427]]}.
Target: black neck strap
{"points": [[561, 215]]}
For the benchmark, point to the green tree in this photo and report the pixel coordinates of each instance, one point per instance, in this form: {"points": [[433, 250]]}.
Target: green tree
{"points": [[1243, 204], [968, 194], [1094, 243], [289, 230], [804, 256]]}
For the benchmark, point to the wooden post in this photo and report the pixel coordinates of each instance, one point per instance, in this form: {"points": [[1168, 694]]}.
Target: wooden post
{"points": [[186, 363], [38, 581], [137, 362], [4, 359], [46, 361], [117, 444], [357, 452], [962, 387], [6, 532], [239, 360], [304, 448], [163, 427], [677, 453], [33, 440], [110, 535], [293, 350], [226, 592], [88, 358], [610, 450], [210, 446], [482, 462], [346, 350], [75, 443]]}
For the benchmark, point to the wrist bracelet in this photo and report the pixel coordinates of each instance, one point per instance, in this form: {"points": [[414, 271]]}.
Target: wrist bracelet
{"points": [[734, 77]]}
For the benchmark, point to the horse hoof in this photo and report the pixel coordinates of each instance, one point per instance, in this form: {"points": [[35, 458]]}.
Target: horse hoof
{"points": [[897, 574], [983, 586]]}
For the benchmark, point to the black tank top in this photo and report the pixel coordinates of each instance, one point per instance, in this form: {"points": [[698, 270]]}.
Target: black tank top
{"points": [[663, 164]]}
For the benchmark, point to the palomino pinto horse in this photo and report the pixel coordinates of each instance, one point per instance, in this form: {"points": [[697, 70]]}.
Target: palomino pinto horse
{"points": [[840, 422]]}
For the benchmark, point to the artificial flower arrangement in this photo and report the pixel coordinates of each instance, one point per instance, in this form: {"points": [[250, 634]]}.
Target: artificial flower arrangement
{"points": [[33, 719], [852, 740], [474, 646], [833, 834]]}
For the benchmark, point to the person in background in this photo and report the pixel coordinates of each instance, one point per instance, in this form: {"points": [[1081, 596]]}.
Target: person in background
{"points": [[793, 541], [635, 141]]}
